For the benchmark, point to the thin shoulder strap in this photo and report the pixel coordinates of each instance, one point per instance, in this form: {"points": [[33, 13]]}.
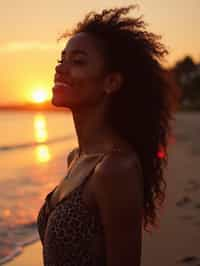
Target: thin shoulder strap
{"points": [[100, 158]]}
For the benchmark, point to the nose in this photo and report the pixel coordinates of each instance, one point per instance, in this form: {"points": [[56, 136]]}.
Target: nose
{"points": [[62, 73], [62, 68], [58, 68]]}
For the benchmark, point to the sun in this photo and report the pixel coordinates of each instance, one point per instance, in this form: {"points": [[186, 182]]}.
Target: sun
{"points": [[39, 95]]}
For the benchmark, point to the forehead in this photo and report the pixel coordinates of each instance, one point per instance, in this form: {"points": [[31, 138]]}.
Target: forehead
{"points": [[83, 42]]}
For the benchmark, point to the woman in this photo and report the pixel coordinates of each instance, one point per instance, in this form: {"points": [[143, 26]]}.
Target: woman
{"points": [[110, 77]]}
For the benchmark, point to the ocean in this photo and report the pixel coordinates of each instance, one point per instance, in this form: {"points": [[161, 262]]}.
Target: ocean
{"points": [[33, 159]]}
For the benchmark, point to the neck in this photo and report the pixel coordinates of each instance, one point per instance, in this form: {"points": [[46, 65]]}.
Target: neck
{"points": [[93, 133]]}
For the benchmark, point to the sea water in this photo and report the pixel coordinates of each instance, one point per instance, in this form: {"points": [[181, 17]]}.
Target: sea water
{"points": [[33, 159]]}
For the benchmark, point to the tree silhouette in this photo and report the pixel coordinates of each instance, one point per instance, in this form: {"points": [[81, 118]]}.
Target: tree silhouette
{"points": [[187, 75]]}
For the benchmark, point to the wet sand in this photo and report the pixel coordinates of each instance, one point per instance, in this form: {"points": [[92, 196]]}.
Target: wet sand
{"points": [[30, 256]]}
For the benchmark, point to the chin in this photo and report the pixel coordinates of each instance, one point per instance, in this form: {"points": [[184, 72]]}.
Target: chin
{"points": [[58, 102]]}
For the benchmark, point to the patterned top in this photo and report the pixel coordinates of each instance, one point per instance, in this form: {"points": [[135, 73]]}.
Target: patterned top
{"points": [[71, 233]]}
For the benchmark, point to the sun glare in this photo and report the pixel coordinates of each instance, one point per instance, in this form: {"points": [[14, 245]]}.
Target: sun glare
{"points": [[39, 95]]}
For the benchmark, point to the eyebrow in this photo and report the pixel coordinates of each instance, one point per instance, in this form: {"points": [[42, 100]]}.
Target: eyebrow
{"points": [[75, 51]]}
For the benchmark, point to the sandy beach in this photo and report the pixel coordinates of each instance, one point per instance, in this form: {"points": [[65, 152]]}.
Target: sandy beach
{"points": [[177, 241], [31, 256]]}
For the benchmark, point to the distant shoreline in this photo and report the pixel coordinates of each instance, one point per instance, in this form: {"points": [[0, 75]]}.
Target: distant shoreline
{"points": [[49, 107], [34, 107]]}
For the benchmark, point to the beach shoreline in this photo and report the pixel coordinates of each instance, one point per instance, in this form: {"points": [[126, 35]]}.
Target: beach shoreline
{"points": [[31, 255]]}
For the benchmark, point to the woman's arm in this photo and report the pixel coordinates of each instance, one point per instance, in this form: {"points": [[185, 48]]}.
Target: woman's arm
{"points": [[119, 196]]}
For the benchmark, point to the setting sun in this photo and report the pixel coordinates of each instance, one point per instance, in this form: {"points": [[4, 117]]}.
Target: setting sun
{"points": [[40, 95]]}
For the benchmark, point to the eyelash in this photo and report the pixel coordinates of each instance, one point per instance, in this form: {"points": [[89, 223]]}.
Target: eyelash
{"points": [[75, 61]]}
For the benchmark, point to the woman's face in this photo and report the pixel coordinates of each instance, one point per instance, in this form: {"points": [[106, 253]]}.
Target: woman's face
{"points": [[80, 76]]}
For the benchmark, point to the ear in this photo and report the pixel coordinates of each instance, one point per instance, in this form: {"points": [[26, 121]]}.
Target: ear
{"points": [[114, 82]]}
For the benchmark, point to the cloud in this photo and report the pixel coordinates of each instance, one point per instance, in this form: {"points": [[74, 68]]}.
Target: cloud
{"points": [[27, 46]]}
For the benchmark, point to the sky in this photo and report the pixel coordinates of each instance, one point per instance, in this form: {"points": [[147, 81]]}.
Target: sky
{"points": [[29, 30]]}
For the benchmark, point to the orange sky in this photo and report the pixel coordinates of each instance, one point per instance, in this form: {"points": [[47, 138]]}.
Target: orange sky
{"points": [[29, 28]]}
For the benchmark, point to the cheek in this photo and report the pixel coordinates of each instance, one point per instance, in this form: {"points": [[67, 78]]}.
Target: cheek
{"points": [[87, 82]]}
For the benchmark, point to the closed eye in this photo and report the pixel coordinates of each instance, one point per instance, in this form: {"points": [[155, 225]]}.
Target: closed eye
{"points": [[74, 61]]}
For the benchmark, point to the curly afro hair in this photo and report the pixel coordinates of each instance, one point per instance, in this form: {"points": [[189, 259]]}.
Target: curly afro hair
{"points": [[141, 112]]}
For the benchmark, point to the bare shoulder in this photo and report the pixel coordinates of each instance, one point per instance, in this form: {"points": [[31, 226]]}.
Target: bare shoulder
{"points": [[119, 199], [119, 164], [121, 173]]}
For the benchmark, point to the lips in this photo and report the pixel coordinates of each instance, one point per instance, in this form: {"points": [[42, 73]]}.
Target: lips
{"points": [[59, 78], [59, 86], [60, 83]]}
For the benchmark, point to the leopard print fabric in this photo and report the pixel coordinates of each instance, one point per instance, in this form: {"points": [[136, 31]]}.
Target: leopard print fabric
{"points": [[71, 234]]}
